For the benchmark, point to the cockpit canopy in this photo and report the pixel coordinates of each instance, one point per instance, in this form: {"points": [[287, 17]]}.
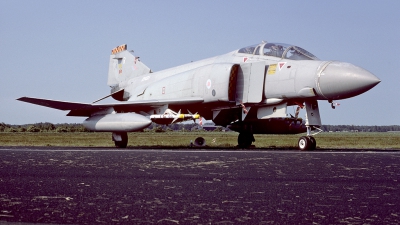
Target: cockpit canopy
{"points": [[279, 50]]}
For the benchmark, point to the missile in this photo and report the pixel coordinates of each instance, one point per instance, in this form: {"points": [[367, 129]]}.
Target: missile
{"points": [[172, 118], [119, 122]]}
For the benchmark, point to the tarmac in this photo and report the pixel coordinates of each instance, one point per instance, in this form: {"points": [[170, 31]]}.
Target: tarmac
{"points": [[59, 185]]}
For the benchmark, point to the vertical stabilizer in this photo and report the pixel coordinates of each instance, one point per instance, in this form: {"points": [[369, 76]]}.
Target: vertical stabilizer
{"points": [[124, 66]]}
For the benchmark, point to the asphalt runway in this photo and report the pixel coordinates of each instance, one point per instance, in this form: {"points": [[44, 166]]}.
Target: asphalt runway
{"points": [[99, 185]]}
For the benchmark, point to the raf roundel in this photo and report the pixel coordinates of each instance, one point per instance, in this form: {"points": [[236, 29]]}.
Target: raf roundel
{"points": [[208, 84]]}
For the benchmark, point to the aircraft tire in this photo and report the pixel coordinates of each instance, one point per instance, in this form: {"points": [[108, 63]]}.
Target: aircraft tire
{"points": [[200, 142], [313, 143], [124, 142], [245, 140], [304, 143]]}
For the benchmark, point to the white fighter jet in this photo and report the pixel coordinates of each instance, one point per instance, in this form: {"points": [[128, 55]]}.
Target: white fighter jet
{"points": [[247, 90]]}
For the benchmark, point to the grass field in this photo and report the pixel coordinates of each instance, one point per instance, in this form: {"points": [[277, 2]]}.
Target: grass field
{"points": [[359, 140]]}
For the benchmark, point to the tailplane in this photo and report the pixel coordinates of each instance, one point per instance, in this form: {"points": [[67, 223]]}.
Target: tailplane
{"points": [[124, 66]]}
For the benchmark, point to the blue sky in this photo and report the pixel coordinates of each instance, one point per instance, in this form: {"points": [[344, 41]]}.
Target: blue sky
{"points": [[60, 49]]}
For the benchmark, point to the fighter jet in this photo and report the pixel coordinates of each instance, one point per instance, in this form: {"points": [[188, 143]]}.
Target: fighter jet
{"points": [[247, 90]]}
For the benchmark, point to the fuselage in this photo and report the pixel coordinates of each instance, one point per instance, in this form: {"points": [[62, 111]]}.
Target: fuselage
{"points": [[277, 78]]}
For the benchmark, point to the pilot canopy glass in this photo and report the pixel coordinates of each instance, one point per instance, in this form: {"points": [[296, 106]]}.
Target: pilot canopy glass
{"points": [[279, 50]]}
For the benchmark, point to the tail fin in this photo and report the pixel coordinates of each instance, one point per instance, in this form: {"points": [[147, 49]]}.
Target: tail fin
{"points": [[124, 66]]}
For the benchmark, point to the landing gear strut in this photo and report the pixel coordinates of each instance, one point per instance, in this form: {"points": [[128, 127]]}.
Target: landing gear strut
{"points": [[120, 139], [313, 121], [245, 139]]}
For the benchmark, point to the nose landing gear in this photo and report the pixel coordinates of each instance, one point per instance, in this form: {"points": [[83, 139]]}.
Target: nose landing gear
{"points": [[313, 121]]}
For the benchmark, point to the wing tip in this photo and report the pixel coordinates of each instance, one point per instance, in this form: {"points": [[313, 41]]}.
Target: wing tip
{"points": [[21, 98]]}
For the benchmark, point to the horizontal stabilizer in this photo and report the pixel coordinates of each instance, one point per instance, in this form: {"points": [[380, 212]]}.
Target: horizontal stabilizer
{"points": [[116, 95]]}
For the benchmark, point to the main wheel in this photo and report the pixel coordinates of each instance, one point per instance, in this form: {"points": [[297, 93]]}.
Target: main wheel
{"points": [[124, 142], [304, 143], [245, 140]]}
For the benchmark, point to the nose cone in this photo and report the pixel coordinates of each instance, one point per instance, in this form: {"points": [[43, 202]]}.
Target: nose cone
{"points": [[341, 80]]}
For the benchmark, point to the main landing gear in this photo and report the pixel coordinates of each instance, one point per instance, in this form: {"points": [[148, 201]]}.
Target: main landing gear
{"points": [[120, 139], [245, 139]]}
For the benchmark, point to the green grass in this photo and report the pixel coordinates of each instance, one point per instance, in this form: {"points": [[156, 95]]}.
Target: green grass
{"points": [[213, 139]]}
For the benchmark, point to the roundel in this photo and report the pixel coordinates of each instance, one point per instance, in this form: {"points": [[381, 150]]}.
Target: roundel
{"points": [[208, 84]]}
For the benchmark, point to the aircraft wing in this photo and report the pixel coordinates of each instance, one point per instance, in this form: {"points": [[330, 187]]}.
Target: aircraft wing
{"points": [[55, 104], [85, 109]]}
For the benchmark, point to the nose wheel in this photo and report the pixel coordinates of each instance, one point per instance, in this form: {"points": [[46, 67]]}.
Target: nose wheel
{"points": [[307, 143]]}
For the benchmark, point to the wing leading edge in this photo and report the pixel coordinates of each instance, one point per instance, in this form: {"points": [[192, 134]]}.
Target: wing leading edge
{"points": [[86, 110]]}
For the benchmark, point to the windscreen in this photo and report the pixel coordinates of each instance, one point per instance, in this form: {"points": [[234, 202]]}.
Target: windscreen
{"points": [[279, 50]]}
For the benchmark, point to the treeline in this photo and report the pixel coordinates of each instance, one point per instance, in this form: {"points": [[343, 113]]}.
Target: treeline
{"points": [[352, 128], [75, 127], [44, 127]]}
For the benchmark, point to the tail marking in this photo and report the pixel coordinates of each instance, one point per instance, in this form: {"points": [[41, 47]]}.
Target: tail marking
{"points": [[119, 49]]}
